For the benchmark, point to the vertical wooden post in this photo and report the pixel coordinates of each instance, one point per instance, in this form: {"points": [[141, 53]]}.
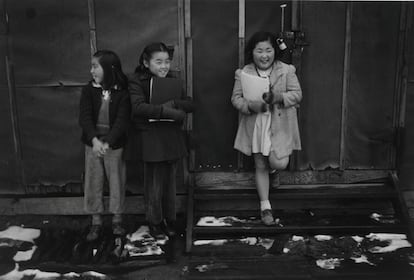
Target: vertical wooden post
{"points": [[399, 87], [296, 15], [92, 26], [242, 31], [296, 23], [11, 85], [345, 84], [189, 89]]}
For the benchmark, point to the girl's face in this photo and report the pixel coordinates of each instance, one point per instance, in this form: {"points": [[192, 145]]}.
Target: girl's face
{"points": [[97, 71], [159, 64], [263, 55]]}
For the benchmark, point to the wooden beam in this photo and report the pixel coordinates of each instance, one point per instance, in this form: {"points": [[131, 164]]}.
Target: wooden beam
{"points": [[241, 36], [296, 15], [189, 75], [92, 26], [401, 70], [345, 84], [71, 205], [246, 179]]}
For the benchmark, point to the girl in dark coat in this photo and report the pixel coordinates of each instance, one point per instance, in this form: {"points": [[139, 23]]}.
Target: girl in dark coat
{"points": [[161, 142]]}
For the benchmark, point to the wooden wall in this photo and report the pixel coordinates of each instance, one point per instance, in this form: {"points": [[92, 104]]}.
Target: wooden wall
{"points": [[351, 77]]}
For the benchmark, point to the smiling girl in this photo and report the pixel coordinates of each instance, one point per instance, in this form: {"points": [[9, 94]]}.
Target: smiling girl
{"points": [[161, 142], [268, 129]]}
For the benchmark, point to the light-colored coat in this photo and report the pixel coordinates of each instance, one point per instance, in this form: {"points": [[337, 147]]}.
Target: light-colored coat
{"points": [[284, 123]]}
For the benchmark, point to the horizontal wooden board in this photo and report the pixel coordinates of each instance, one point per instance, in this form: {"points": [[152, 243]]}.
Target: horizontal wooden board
{"points": [[70, 205]]}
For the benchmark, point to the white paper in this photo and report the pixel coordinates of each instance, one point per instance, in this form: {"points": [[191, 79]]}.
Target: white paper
{"points": [[253, 86]]}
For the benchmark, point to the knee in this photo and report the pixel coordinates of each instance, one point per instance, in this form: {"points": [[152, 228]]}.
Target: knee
{"points": [[279, 164]]}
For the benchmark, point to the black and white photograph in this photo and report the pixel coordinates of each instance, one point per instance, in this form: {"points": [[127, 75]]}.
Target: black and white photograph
{"points": [[206, 139]]}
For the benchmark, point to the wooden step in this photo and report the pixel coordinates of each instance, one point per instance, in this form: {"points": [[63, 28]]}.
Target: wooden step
{"points": [[300, 192], [294, 223]]}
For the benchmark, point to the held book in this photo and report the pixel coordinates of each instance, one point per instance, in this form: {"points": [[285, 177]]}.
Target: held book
{"points": [[253, 86], [163, 90]]}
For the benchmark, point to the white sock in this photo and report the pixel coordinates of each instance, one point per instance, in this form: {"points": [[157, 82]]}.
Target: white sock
{"points": [[265, 204]]}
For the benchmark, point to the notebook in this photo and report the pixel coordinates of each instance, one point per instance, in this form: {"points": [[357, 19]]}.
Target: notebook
{"points": [[253, 86], [163, 90]]}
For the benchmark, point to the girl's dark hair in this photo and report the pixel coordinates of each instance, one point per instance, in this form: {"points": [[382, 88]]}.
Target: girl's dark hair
{"points": [[112, 69], [256, 38], [147, 53]]}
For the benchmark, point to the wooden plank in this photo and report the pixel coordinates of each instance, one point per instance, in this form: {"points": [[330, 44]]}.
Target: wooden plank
{"points": [[400, 206], [296, 15], [232, 206], [400, 70], [242, 35], [189, 75], [92, 26], [190, 217], [246, 179], [345, 84], [266, 230], [71, 205]]}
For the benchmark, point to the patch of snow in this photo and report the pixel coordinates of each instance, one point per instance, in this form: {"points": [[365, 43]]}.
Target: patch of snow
{"points": [[71, 275], [331, 263], [386, 236], [357, 238], [362, 259], [94, 274], [20, 233], [322, 237], [297, 238], [22, 256], [393, 246], [215, 242], [211, 221], [267, 243]]}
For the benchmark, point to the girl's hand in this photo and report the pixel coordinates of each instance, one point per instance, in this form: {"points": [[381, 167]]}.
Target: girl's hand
{"points": [[170, 113], [272, 97], [257, 106], [98, 147]]}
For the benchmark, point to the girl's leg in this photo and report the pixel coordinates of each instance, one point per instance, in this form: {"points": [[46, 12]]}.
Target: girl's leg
{"points": [[116, 173], [154, 181], [169, 210], [93, 190], [262, 184], [262, 176], [170, 192], [94, 180]]}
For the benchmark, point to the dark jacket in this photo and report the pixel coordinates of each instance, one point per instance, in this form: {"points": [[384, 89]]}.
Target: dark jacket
{"points": [[154, 141], [119, 115]]}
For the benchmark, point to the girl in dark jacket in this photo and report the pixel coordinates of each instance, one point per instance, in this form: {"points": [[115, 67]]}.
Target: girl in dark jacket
{"points": [[161, 142], [104, 117]]}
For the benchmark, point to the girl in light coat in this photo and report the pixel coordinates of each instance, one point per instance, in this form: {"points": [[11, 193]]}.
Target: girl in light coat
{"points": [[268, 129]]}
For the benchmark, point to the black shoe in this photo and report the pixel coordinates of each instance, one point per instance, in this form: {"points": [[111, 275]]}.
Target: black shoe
{"points": [[156, 231], [168, 228]]}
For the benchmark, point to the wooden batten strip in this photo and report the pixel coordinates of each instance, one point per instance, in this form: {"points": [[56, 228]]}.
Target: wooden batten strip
{"points": [[189, 72], [241, 36], [398, 85], [345, 84], [11, 85], [92, 26]]}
